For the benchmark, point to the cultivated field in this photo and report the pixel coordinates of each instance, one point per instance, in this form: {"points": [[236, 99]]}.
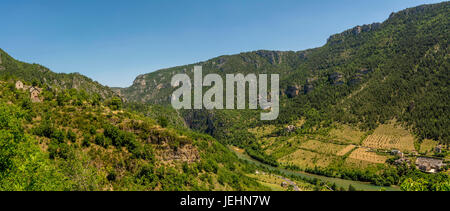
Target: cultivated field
{"points": [[274, 182], [347, 134], [271, 181], [427, 146], [358, 164], [321, 147], [307, 159], [390, 137], [364, 155], [345, 150], [262, 131]]}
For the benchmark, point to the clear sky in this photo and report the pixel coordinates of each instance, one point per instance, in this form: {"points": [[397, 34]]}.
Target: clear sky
{"points": [[113, 41]]}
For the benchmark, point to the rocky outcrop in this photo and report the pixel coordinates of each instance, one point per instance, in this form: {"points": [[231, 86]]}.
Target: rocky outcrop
{"points": [[273, 57], [365, 28], [414, 10], [357, 79], [187, 153], [336, 78], [308, 88], [290, 128], [338, 38], [140, 81], [293, 91]]}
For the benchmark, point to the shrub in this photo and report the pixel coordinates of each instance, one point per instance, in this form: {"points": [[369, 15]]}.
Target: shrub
{"points": [[163, 122], [59, 136], [86, 141], [71, 136], [101, 140]]}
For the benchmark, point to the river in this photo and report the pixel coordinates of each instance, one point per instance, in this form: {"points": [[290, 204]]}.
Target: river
{"points": [[364, 186]]}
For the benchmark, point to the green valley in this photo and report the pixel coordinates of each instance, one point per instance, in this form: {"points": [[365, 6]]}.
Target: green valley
{"points": [[368, 111]]}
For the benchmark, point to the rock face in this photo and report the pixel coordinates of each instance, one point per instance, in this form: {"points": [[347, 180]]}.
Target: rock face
{"points": [[274, 57], [336, 78], [290, 128], [293, 91], [140, 81], [356, 79], [338, 38], [365, 28], [187, 153], [308, 88]]}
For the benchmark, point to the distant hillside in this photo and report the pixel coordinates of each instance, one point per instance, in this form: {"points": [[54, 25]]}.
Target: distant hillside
{"points": [[35, 73], [365, 76]]}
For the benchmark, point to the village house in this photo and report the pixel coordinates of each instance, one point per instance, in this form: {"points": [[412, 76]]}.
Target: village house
{"points": [[429, 165], [402, 161], [19, 85], [397, 153], [34, 94], [34, 91]]}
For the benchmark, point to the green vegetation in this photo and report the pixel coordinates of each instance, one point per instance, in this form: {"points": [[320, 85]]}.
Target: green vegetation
{"points": [[344, 107], [366, 77], [74, 141]]}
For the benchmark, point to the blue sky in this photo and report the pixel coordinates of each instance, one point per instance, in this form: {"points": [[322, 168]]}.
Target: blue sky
{"points": [[113, 41]]}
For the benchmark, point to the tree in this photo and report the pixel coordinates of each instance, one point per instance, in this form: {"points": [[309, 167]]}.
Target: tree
{"points": [[163, 121], [414, 185], [351, 188], [115, 103]]}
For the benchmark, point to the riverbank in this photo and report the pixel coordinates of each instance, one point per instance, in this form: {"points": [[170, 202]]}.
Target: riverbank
{"points": [[364, 186]]}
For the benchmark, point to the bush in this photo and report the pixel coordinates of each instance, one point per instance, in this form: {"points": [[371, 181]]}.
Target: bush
{"points": [[101, 140], [45, 129], [163, 122], [59, 136], [71, 136], [86, 141], [115, 103]]}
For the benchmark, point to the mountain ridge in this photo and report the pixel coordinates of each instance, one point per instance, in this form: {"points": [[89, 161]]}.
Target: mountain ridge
{"points": [[374, 55], [35, 73]]}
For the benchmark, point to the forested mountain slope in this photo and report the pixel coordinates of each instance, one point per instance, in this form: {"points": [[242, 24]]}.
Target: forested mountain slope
{"points": [[365, 76], [11, 68], [74, 134], [74, 141]]}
